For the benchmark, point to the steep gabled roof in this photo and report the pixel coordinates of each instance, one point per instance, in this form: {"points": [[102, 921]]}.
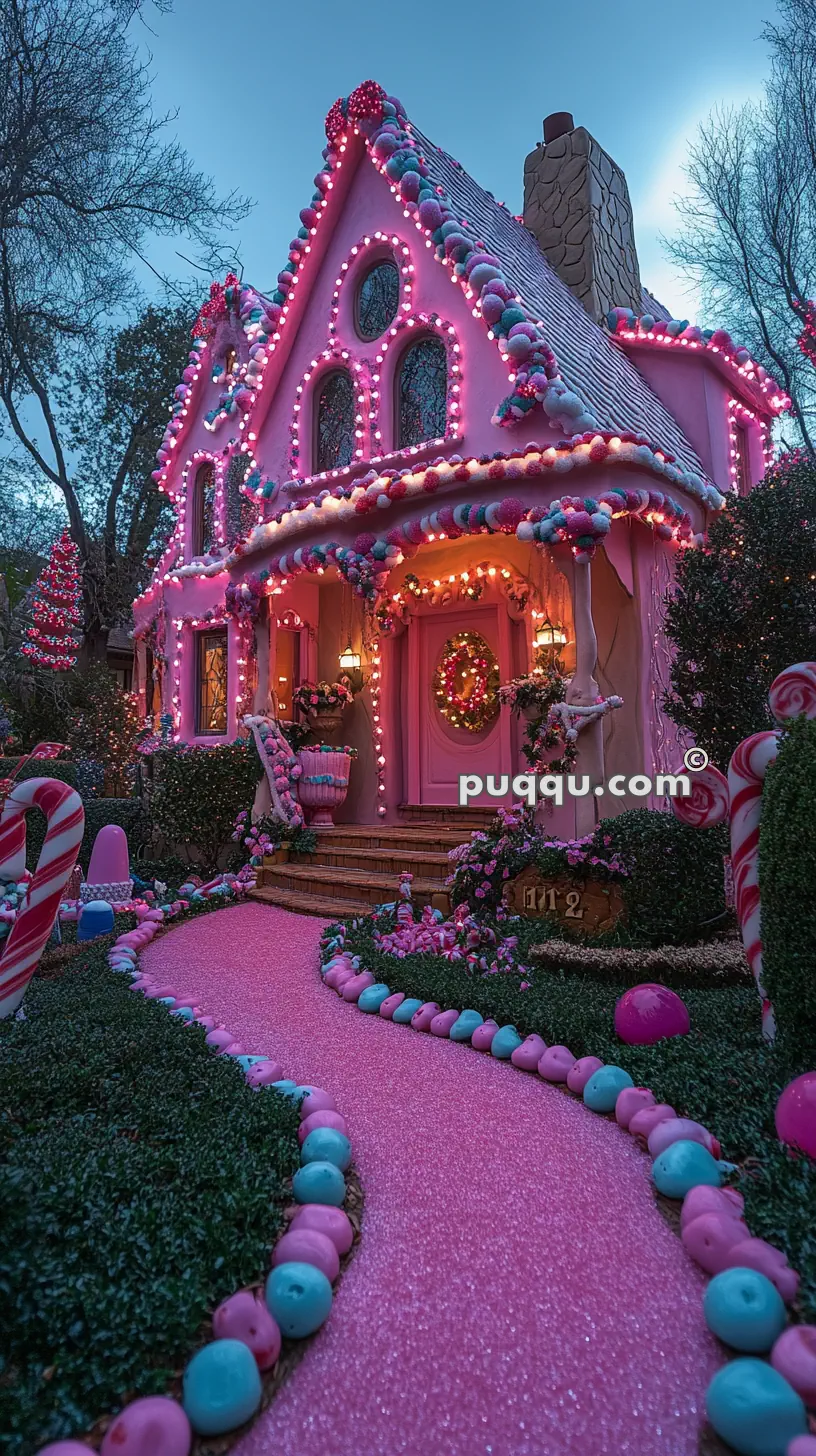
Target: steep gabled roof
{"points": [[588, 361]]}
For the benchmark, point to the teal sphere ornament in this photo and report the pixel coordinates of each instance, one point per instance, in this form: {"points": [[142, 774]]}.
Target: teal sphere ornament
{"points": [[371, 999], [326, 1145], [465, 1025], [505, 1042], [299, 1297], [319, 1183], [752, 1407], [406, 1010], [221, 1387], [604, 1087], [682, 1166], [744, 1310]]}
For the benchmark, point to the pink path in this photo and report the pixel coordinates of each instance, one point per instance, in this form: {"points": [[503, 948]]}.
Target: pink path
{"points": [[516, 1292]]}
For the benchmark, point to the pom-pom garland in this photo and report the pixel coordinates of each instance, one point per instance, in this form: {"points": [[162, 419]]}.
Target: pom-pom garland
{"points": [[679, 333]]}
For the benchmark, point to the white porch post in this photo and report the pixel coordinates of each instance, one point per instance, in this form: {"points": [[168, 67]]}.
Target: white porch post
{"points": [[261, 629], [582, 692]]}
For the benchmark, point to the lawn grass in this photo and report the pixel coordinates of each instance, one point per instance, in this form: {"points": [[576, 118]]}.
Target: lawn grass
{"points": [[141, 1182], [721, 1074]]}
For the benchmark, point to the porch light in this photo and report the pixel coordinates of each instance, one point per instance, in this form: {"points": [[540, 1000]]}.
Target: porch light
{"points": [[349, 660], [550, 634]]}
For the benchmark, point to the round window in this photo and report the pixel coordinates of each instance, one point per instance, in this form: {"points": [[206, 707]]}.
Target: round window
{"points": [[378, 299]]}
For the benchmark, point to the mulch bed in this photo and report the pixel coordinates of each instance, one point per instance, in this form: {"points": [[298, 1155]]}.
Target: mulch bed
{"points": [[717, 963]]}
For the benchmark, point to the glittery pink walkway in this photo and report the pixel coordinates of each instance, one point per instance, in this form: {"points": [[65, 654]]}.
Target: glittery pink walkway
{"points": [[516, 1292]]}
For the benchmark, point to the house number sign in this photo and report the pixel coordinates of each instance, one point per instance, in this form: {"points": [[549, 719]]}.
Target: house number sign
{"points": [[582, 907]]}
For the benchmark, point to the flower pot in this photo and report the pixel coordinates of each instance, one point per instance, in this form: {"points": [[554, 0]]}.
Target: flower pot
{"points": [[327, 721], [323, 783]]}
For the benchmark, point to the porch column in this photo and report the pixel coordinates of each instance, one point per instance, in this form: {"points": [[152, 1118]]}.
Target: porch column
{"points": [[140, 674], [261, 629], [582, 692]]}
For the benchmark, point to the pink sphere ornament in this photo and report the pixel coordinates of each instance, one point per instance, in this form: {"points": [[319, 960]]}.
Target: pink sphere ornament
{"points": [[308, 1246], [155, 1426], [644, 1121], [649, 1013], [630, 1101], [321, 1119], [529, 1054], [325, 1219], [245, 1317], [794, 1356], [673, 1129], [796, 1114], [725, 1201], [317, 1101]]}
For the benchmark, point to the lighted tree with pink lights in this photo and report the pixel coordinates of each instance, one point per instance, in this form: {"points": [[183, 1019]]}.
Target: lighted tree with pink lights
{"points": [[55, 633]]}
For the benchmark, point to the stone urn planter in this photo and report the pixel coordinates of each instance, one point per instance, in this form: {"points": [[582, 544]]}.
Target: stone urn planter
{"points": [[326, 722], [323, 783]]}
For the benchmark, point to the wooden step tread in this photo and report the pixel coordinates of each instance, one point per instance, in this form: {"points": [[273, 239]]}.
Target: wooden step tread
{"points": [[334, 874], [427, 838], [403, 859], [301, 903]]}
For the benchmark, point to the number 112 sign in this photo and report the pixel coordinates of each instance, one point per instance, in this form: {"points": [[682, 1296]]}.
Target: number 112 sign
{"points": [[581, 907]]}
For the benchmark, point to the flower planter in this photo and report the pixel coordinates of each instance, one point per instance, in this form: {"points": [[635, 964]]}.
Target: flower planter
{"points": [[323, 783], [326, 721]]}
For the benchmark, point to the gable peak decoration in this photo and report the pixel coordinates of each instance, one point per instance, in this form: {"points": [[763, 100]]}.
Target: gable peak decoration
{"points": [[534, 375]]}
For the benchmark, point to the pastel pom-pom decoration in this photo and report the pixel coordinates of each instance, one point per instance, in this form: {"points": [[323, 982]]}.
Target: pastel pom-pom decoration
{"points": [[319, 1183], [332, 1222], [648, 1013], [794, 1356], [465, 1025], [407, 1011], [371, 999], [222, 1387], [299, 1297], [308, 1246], [245, 1317], [492, 308], [682, 1166], [752, 1408], [744, 1310], [556, 1064], [581, 1071], [327, 1145], [154, 1426], [604, 1087], [796, 1114], [504, 1043]]}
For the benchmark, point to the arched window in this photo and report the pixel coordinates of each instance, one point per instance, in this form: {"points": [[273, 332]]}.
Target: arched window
{"points": [[230, 359], [204, 509], [334, 422], [378, 299], [422, 386]]}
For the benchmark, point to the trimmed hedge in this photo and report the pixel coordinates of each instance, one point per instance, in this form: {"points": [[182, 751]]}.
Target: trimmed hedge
{"points": [[200, 792], [675, 890], [141, 1182], [787, 879], [722, 1073]]}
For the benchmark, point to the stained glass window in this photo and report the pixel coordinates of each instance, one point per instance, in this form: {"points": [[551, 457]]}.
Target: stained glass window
{"points": [[422, 393], [241, 511], [212, 682], [204, 510], [378, 299], [334, 425]]}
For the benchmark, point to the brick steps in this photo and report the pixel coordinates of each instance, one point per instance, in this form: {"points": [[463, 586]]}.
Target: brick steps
{"points": [[328, 907], [434, 863]]}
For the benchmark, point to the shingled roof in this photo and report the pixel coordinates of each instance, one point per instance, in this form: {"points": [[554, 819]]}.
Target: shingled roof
{"points": [[589, 362]]}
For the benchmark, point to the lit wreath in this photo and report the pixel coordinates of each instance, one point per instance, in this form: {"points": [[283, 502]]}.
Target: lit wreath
{"points": [[469, 653]]}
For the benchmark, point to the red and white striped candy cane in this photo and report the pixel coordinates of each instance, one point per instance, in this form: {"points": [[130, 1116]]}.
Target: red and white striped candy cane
{"points": [[792, 693], [63, 810]]}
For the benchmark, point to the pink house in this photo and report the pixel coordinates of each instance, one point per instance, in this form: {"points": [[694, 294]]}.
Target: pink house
{"points": [[449, 429]]}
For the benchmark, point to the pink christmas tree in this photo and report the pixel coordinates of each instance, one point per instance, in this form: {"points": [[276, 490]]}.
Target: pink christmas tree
{"points": [[54, 634]]}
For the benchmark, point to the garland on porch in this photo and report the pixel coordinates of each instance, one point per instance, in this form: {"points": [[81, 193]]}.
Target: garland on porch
{"points": [[466, 682], [463, 586]]}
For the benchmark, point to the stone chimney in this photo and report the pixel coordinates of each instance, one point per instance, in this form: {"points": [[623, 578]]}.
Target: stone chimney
{"points": [[576, 204]]}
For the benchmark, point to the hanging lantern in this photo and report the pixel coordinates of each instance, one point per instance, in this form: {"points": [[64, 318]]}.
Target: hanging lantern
{"points": [[349, 660]]}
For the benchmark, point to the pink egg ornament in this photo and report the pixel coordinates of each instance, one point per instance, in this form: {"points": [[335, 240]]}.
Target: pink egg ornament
{"points": [[556, 1064], [673, 1129], [354, 988], [154, 1426], [441, 1024], [703, 1199], [643, 1122], [390, 1004], [529, 1054], [482, 1038], [649, 1013], [263, 1074], [317, 1101], [710, 1239], [326, 1219], [64, 1448], [308, 1246], [245, 1317], [580, 1073], [794, 1356], [321, 1119], [796, 1114], [421, 1019], [630, 1101]]}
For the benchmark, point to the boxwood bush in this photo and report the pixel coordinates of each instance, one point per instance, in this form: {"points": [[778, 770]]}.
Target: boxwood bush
{"points": [[722, 1073], [787, 880], [200, 792], [141, 1182]]}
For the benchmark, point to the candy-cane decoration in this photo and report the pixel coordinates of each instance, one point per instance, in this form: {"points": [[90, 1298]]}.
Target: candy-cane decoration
{"points": [[63, 810], [282, 774], [708, 802]]}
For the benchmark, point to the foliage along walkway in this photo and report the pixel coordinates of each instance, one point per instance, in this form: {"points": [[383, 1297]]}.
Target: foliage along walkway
{"points": [[517, 1290]]}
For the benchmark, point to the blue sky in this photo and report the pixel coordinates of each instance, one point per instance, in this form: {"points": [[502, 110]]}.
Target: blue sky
{"points": [[252, 84]]}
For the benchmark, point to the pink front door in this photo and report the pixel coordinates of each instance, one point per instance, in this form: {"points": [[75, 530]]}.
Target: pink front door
{"points": [[437, 751]]}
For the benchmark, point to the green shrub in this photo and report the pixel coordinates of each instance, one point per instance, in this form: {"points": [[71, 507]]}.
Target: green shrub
{"points": [[141, 1182], [199, 793], [787, 879], [722, 1073], [675, 890]]}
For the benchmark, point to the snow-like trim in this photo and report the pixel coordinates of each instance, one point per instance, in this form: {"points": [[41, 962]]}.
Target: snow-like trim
{"points": [[658, 333]]}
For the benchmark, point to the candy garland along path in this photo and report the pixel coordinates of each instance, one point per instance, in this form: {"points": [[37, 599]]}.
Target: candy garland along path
{"points": [[517, 1291]]}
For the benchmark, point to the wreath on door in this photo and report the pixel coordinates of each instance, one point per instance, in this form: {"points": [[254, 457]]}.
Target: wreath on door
{"points": [[466, 682]]}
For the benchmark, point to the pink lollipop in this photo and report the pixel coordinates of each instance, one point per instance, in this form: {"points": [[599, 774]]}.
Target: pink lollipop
{"points": [[707, 804]]}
